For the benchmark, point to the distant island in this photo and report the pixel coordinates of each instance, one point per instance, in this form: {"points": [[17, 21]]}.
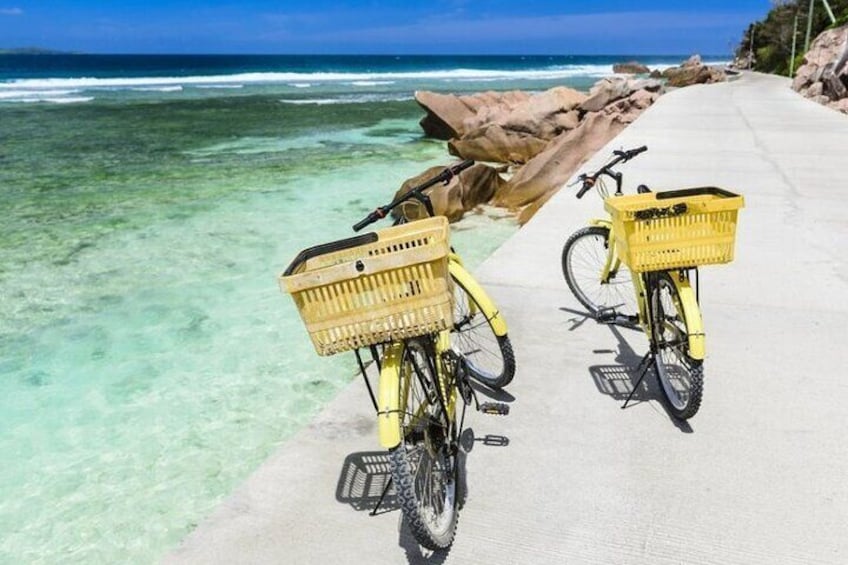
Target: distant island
{"points": [[33, 51]]}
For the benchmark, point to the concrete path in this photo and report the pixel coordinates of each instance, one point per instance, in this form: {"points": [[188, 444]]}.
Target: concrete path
{"points": [[760, 475]]}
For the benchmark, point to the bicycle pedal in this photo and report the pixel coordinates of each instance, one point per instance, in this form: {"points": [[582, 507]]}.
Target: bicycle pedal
{"points": [[494, 408], [606, 316]]}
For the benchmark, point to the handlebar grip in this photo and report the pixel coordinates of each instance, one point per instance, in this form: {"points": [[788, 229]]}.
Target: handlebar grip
{"points": [[364, 222], [629, 154], [377, 214], [584, 189], [456, 169], [450, 172]]}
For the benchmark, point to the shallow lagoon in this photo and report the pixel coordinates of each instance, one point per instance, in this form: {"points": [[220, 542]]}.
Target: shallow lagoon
{"points": [[148, 361]]}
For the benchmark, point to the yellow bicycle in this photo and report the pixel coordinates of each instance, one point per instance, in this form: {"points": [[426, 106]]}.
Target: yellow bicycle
{"points": [[402, 294], [637, 268]]}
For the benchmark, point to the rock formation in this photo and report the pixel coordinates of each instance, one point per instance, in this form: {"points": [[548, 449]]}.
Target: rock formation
{"points": [[450, 116], [540, 139], [464, 192], [630, 68], [824, 75], [693, 71], [511, 129], [546, 173]]}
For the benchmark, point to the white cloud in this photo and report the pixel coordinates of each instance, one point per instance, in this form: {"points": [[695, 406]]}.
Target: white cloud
{"points": [[11, 12]]}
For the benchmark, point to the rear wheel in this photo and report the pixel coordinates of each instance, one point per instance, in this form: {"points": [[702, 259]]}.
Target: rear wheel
{"points": [[424, 464], [583, 259], [681, 378], [488, 356]]}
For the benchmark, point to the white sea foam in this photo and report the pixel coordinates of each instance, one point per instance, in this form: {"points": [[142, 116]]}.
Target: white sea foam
{"points": [[316, 101], [53, 96], [372, 82], [176, 88], [347, 99], [304, 80], [227, 86], [57, 89], [33, 94], [69, 100]]}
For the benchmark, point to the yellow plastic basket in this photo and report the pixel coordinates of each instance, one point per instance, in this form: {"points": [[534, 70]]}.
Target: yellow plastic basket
{"points": [[377, 287], [677, 229]]}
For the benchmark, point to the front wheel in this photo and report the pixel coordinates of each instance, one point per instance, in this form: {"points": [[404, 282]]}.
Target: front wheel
{"points": [[424, 464], [583, 259], [488, 356], [681, 377]]}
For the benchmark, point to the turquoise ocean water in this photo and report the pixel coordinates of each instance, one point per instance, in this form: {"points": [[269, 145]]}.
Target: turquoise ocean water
{"points": [[148, 361]]}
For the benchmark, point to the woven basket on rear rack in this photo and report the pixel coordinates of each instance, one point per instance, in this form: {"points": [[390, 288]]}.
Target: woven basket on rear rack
{"points": [[373, 288], [678, 229]]}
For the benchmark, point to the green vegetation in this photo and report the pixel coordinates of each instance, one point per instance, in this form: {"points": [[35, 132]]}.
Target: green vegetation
{"points": [[772, 37]]}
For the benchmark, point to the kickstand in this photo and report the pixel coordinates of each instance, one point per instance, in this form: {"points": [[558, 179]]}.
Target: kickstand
{"points": [[647, 361], [382, 496]]}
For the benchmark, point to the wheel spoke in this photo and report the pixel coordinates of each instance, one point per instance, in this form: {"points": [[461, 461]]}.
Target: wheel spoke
{"points": [[680, 377], [583, 260], [488, 357], [420, 462]]}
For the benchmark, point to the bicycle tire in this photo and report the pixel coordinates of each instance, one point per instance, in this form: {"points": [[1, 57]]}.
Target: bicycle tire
{"points": [[489, 357], [681, 378], [583, 258], [424, 464]]}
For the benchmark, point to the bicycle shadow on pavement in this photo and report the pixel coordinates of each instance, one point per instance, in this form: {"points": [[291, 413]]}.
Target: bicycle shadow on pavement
{"points": [[617, 380], [498, 395], [365, 476], [364, 479]]}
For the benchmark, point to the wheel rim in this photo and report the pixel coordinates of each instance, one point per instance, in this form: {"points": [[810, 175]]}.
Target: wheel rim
{"points": [[585, 260], [474, 339], [674, 366], [427, 447]]}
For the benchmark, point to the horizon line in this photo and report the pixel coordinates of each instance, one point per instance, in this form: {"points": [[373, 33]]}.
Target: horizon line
{"points": [[47, 51]]}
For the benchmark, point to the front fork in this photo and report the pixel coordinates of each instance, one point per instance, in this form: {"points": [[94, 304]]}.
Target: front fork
{"points": [[393, 388], [688, 299]]}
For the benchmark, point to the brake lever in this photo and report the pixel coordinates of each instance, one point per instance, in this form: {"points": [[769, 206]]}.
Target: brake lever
{"points": [[579, 179]]}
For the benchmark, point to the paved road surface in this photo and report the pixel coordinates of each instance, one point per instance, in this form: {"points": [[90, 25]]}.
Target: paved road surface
{"points": [[760, 475]]}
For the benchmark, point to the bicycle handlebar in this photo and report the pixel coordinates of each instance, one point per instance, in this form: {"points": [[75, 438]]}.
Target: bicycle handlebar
{"points": [[415, 192], [377, 214], [629, 154], [588, 182], [621, 156]]}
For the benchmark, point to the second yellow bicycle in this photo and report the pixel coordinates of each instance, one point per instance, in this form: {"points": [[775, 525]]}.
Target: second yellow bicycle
{"points": [[638, 266]]}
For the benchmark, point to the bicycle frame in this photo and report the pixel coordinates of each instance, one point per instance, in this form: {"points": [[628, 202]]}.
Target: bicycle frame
{"points": [[389, 394], [392, 399], [688, 297]]}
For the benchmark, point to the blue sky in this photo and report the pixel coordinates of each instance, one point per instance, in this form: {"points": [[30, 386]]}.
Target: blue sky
{"points": [[365, 26]]}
